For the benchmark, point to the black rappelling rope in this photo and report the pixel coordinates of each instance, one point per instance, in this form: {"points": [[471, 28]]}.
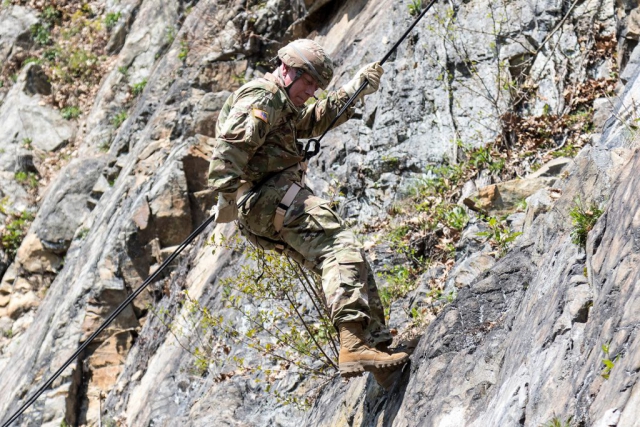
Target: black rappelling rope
{"points": [[111, 318], [308, 154]]}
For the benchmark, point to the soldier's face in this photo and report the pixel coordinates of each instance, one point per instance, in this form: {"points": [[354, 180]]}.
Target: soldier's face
{"points": [[302, 89]]}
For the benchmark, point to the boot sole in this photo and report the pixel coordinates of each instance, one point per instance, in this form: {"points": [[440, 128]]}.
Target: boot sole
{"points": [[355, 369]]}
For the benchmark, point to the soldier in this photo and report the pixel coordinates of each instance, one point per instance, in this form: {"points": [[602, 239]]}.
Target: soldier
{"points": [[256, 138]]}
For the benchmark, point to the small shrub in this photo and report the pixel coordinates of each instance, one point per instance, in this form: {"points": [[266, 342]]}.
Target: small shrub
{"points": [[51, 15], [119, 118], [21, 176], [557, 422], [500, 235], [583, 219], [14, 231], [41, 33], [184, 50], [51, 54], [171, 35], [112, 19], [30, 179], [607, 362], [400, 281], [138, 88], [70, 113], [415, 7]]}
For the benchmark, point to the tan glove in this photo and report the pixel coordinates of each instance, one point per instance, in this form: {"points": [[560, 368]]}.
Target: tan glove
{"points": [[371, 73], [227, 208]]}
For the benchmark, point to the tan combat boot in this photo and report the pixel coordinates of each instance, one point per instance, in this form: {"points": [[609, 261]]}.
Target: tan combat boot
{"points": [[356, 356]]}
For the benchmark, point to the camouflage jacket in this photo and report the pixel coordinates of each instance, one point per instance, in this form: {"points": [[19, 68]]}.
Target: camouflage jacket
{"points": [[257, 131]]}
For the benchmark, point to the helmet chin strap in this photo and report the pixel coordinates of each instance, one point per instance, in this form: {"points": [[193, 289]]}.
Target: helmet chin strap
{"points": [[299, 74]]}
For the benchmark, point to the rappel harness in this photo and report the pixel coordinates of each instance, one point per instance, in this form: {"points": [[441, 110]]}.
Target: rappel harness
{"points": [[312, 148]]}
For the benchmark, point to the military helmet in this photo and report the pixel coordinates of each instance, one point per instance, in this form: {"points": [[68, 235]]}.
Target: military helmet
{"points": [[310, 57]]}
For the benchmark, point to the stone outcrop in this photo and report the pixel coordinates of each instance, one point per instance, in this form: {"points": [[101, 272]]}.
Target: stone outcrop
{"points": [[520, 338]]}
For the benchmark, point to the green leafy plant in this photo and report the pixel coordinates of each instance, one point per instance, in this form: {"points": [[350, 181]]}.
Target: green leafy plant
{"points": [[138, 88], [558, 422], [14, 231], [112, 19], [499, 235], [31, 61], [119, 118], [26, 143], [171, 35], [400, 281], [41, 33], [583, 219], [278, 313], [71, 112], [20, 176], [415, 7], [607, 362], [51, 15], [184, 50], [29, 179]]}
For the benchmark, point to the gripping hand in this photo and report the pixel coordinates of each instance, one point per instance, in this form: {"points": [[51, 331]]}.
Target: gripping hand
{"points": [[371, 73]]}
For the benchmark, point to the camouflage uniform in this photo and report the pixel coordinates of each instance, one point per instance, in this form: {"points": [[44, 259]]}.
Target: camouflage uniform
{"points": [[256, 136]]}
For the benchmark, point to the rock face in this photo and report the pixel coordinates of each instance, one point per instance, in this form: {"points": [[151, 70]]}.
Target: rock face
{"points": [[549, 331]]}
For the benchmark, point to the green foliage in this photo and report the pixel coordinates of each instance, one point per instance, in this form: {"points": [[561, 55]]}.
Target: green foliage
{"points": [[8, 333], [439, 179], [171, 35], [14, 231], [31, 61], [283, 326], [26, 143], [607, 362], [278, 314], [41, 33], [119, 118], [499, 235], [29, 179], [583, 219], [400, 281], [51, 54], [123, 70], [138, 88], [184, 50], [239, 78], [112, 19], [415, 7], [82, 233], [557, 422], [51, 15], [456, 218], [20, 176], [71, 112]]}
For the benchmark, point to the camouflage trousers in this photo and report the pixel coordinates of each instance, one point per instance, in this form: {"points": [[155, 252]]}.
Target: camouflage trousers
{"points": [[315, 236]]}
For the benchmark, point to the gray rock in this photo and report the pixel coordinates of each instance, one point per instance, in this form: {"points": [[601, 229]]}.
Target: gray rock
{"points": [[27, 119], [16, 24], [66, 204]]}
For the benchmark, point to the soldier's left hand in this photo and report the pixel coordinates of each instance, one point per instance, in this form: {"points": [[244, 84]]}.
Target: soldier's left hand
{"points": [[371, 73]]}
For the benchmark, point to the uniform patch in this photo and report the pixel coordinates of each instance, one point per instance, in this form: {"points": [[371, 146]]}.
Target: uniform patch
{"points": [[262, 115]]}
